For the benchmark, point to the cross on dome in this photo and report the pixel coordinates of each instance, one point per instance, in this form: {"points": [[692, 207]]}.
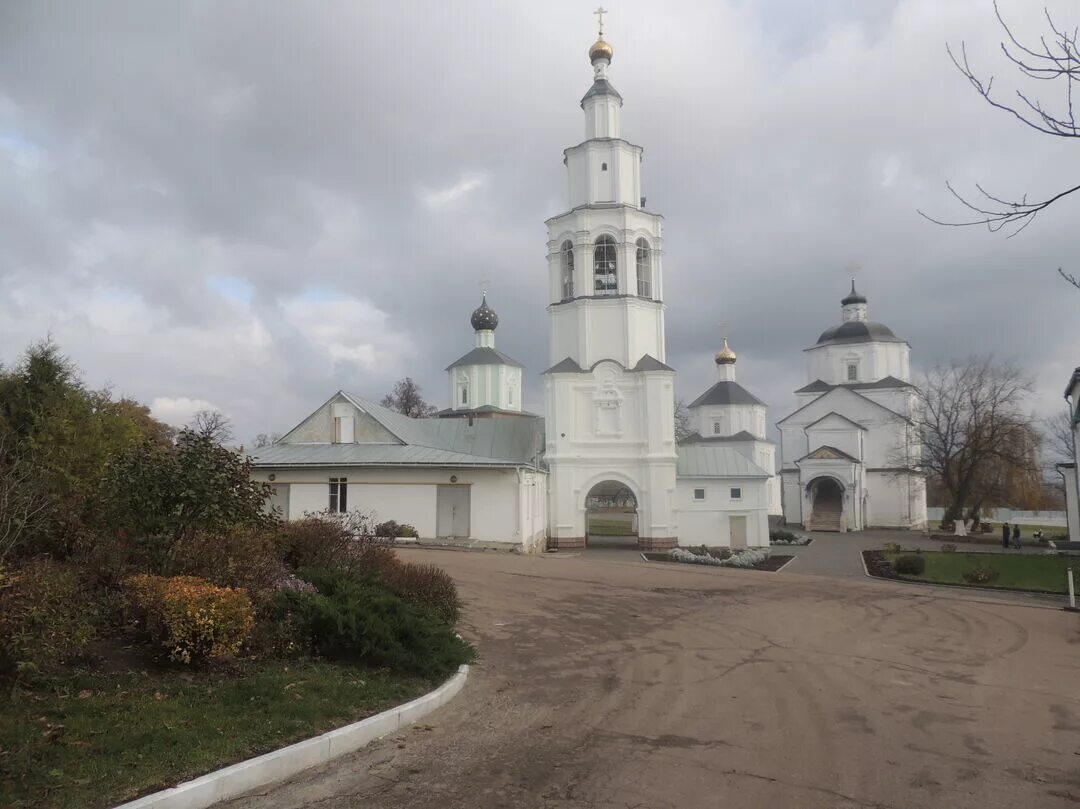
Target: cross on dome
{"points": [[600, 50]]}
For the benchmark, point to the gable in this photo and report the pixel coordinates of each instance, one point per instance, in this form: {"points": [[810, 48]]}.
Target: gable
{"points": [[840, 401], [318, 428], [827, 453], [832, 422]]}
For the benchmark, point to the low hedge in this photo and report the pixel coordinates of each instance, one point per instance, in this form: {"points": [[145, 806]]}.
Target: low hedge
{"points": [[910, 564], [358, 619], [194, 620]]}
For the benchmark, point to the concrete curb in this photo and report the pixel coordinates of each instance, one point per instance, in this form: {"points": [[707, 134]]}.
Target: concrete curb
{"points": [[280, 764]]}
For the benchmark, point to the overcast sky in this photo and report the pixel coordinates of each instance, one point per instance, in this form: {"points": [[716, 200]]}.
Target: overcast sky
{"points": [[250, 205]]}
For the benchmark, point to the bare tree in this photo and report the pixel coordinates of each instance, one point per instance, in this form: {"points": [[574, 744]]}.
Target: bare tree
{"points": [[976, 443], [405, 398], [1054, 58], [212, 424], [683, 430], [265, 440], [1060, 442]]}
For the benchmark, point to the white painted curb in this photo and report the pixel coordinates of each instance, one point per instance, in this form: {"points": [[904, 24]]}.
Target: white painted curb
{"points": [[281, 764]]}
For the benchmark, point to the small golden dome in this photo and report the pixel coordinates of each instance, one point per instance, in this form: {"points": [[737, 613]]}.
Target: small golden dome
{"points": [[600, 50], [725, 356]]}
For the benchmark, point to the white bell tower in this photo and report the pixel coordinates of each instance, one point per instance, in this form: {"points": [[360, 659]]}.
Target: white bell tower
{"points": [[610, 395]]}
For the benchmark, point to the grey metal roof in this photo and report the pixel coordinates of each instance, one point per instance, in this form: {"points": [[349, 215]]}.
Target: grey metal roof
{"points": [[727, 393], [818, 386], [432, 441], [601, 87], [566, 366], [739, 437], [366, 455], [483, 355], [858, 331], [852, 422], [830, 392], [853, 296], [712, 461], [650, 363]]}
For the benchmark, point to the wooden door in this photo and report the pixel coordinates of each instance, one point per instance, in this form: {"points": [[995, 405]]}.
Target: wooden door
{"points": [[738, 531]]}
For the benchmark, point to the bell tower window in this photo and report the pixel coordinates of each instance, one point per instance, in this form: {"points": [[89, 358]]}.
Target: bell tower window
{"points": [[644, 269], [853, 372], [567, 261], [605, 280]]}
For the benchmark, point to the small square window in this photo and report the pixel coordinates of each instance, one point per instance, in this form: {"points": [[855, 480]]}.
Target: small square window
{"points": [[736, 493], [699, 494]]}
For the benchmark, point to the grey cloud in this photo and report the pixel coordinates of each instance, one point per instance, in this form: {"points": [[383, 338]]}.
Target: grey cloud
{"points": [[291, 146]]}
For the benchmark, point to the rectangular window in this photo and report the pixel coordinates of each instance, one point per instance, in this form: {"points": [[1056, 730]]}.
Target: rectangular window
{"points": [[736, 494], [852, 373], [699, 494], [339, 489], [343, 430], [464, 395]]}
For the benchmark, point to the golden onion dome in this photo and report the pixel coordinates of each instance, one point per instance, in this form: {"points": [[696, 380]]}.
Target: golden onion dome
{"points": [[600, 50], [725, 356]]}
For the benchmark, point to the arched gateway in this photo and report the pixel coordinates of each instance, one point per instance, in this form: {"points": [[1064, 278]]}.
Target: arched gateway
{"points": [[827, 504], [611, 516]]}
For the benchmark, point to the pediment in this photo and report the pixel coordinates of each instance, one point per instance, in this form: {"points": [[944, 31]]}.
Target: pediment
{"points": [[827, 454]]}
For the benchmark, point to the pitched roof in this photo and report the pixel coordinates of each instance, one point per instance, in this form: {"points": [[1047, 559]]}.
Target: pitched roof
{"points": [[484, 355], [566, 366], [818, 386], [712, 461], [833, 390], [839, 416], [430, 441], [727, 393], [601, 87], [650, 363], [843, 455]]}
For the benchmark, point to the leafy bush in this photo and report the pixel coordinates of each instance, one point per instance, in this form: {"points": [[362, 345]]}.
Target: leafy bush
{"points": [[391, 528], [45, 618], [910, 564], [426, 585], [360, 620], [948, 547], [980, 574], [892, 547], [243, 556], [190, 617], [335, 542]]}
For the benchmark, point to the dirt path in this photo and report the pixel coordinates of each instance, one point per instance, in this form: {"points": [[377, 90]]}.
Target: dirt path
{"points": [[609, 684]]}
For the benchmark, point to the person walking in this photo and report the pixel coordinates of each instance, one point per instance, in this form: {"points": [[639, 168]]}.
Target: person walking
{"points": [[1005, 535], [1016, 536]]}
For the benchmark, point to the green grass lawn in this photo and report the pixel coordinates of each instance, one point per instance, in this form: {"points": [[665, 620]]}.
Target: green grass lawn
{"points": [[96, 741], [611, 527], [1015, 571]]}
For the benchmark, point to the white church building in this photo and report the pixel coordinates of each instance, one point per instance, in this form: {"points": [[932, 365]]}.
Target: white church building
{"points": [[846, 448], [484, 471]]}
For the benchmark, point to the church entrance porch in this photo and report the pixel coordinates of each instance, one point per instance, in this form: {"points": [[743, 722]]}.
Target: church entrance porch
{"points": [[611, 516], [827, 511]]}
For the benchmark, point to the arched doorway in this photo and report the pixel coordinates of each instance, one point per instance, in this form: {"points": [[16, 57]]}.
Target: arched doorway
{"points": [[611, 518], [827, 504]]}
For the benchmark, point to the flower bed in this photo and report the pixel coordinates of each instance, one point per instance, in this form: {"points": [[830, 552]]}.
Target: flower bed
{"points": [[748, 559]]}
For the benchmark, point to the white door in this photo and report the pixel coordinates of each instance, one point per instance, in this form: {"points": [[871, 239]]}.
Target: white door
{"points": [[452, 512], [738, 531]]}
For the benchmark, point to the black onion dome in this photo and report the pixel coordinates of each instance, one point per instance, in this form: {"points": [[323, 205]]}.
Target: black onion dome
{"points": [[853, 296], [484, 318], [859, 331]]}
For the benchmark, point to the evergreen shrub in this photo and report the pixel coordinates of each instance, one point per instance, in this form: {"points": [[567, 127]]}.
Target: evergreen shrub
{"points": [[358, 619], [910, 565]]}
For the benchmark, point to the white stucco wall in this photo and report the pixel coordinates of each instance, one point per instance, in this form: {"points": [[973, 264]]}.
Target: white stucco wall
{"points": [[874, 360], [706, 522], [503, 502], [1072, 503]]}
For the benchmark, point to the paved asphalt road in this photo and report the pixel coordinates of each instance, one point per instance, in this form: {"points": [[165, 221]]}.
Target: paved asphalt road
{"points": [[613, 684]]}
